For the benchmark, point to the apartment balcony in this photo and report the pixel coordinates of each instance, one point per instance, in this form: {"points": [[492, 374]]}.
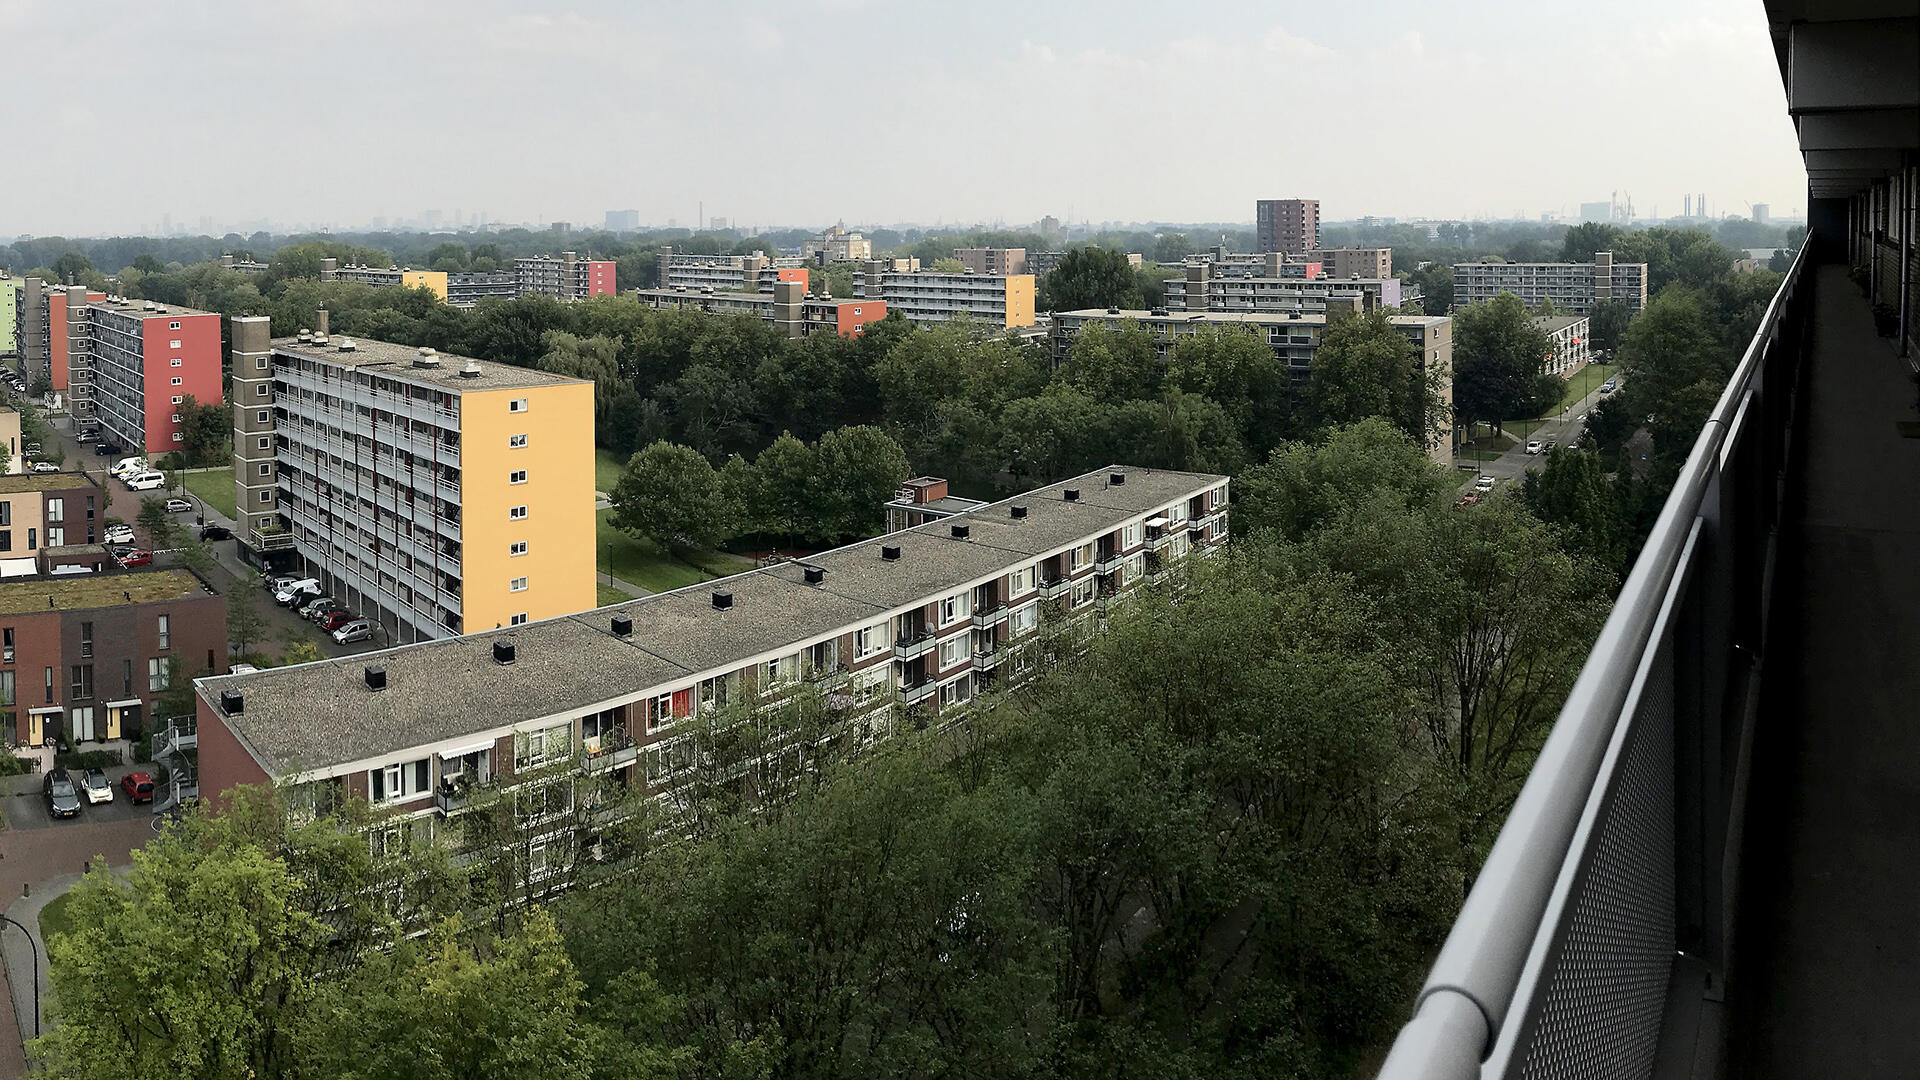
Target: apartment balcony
{"points": [[612, 750], [908, 647], [918, 692], [275, 538], [1710, 869], [984, 662], [990, 618], [1055, 588], [464, 794]]}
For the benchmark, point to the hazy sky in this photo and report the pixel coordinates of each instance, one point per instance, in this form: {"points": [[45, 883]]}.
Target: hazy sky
{"points": [[807, 111]]}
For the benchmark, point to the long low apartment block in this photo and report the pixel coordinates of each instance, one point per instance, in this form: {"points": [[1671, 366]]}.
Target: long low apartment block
{"points": [[923, 619]]}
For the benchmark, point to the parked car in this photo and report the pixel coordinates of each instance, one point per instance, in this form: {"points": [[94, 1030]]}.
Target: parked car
{"points": [[95, 785], [146, 481], [334, 620], [119, 533], [1469, 500], [353, 630], [1607, 387], [1485, 483], [215, 532], [31, 448], [1534, 446], [317, 607], [63, 799], [128, 465], [105, 449], [295, 593], [45, 466], [136, 557], [275, 582], [242, 669], [138, 786], [178, 506]]}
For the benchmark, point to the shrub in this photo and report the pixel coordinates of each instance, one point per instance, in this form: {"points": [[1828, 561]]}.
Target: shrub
{"points": [[91, 759]]}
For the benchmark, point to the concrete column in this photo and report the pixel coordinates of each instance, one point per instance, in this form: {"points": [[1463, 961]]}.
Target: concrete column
{"points": [[252, 423], [1906, 253]]}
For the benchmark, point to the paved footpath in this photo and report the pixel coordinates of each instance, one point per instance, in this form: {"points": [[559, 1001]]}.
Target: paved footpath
{"points": [[50, 861]]}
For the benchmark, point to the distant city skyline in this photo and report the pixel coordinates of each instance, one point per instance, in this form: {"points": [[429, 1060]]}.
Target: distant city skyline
{"points": [[998, 111]]}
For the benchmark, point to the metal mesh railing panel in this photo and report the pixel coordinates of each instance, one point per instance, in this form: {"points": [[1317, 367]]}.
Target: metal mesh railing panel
{"points": [[1605, 995]]}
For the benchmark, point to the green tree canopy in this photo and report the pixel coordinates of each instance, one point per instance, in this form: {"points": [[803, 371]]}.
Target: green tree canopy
{"points": [[1092, 277], [670, 494], [1366, 367], [1499, 363]]}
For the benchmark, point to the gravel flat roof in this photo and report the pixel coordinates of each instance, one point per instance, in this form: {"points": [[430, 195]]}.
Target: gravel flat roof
{"points": [[322, 715]]}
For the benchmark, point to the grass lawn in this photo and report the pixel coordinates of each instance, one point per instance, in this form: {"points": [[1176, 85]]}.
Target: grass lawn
{"points": [[647, 566], [610, 595], [53, 917], [1583, 382], [606, 469], [214, 488]]}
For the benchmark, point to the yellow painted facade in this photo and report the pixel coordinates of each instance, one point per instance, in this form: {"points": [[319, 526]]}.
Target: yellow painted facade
{"points": [[435, 280], [558, 528], [1019, 299]]}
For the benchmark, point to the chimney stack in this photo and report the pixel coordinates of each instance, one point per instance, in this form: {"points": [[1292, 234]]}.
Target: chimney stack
{"points": [[320, 323]]}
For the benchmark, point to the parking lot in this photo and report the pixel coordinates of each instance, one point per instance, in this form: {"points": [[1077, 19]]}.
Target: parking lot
{"points": [[281, 627], [26, 803]]}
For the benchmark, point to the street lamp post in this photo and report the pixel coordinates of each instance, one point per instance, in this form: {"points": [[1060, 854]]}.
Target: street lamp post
{"points": [[34, 953]]}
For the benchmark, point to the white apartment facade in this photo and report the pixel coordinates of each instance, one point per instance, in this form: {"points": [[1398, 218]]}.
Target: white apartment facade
{"points": [[1574, 288]]}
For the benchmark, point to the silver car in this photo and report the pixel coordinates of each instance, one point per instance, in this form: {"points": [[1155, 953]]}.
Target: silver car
{"points": [[357, 630]]}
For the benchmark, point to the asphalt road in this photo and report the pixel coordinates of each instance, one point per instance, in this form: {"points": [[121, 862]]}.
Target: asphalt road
{"points": [[1512, 465]]}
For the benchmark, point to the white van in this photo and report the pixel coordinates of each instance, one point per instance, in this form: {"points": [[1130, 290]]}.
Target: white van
{"points": [[128, 465], [146, 481]]}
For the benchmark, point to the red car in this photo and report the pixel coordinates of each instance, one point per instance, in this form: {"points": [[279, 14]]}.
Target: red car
{"points": [[336, 619], [138, 786], [136, 557]]}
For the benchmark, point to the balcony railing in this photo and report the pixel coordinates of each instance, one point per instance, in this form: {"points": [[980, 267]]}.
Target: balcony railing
{"points": [[269, 539], [615, 750], [908, 646], [1596, 935]]}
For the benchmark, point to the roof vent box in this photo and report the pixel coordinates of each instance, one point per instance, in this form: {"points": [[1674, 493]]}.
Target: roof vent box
{"points": [[1019, 511], [1116, 479], [376, 677], [503, 652], [1071, 494], [233, 702], [890, 552], [815, 575], [961, 532], [623, 625], [470, 369], [722, 600]]}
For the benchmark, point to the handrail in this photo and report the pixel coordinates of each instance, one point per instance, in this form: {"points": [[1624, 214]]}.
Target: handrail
{"points": [[1464, 1003]]}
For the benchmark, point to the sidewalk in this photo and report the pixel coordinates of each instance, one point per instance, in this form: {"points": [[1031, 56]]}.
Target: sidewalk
{"points": [[50, 860]]}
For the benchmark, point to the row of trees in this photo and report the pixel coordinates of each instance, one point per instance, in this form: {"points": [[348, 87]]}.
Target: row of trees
{"points": [[790, 492], [1223, 843]]}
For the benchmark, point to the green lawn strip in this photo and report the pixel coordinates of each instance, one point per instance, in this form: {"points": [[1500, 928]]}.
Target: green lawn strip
{"points": [[610, 595], [54, 919], [1583, 382], [213, 488], [606, 469], [646, 565]]}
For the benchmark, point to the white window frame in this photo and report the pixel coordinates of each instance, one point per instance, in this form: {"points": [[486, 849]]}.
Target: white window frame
{"points": [[518, 619], [869, 640], [954, 651], [516, 549], [542, 746], [1023, 620], [516, 513], [1022, 581], [518, 584], [517, 405], [956, 607], [517, 476], [516, 442], [177, 381]]}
